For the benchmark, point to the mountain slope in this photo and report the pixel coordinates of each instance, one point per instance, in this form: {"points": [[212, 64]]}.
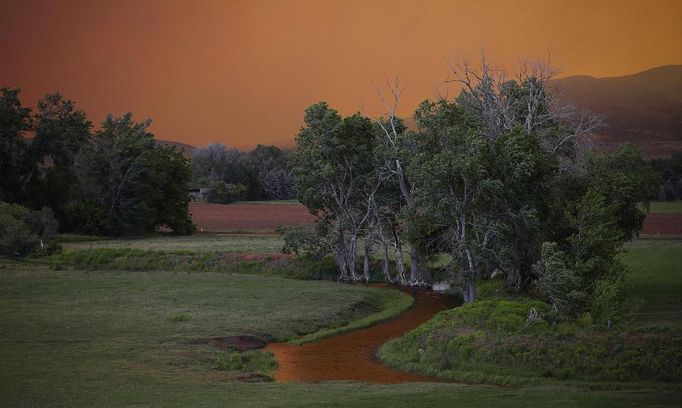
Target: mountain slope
{"points": [[644, 109]]}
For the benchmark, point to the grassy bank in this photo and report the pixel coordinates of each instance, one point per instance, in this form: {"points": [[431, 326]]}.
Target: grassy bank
{"points": [[106, 326], [388, 304], [492, 341]]}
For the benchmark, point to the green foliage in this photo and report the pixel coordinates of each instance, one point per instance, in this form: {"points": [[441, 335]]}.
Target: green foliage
{"points": [[247, 361], [15, 121], [262, 171], [23, 231], [139, 185], [170, 177], [624, 179], [181, 317], [335, 177], [223, 193], [455, 189], [305, 241], [60, 132], [555, 282], [669, 170], [607, 303], [596, 239], [495, 341]]}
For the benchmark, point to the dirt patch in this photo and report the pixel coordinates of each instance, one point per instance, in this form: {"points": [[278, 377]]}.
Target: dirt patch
{"points": [[248, 217], [253, 378], [662, 224], [233, 343]]}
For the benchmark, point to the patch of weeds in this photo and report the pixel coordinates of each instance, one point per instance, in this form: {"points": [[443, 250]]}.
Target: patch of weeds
{"points": [[181, 317], [247, 361]]}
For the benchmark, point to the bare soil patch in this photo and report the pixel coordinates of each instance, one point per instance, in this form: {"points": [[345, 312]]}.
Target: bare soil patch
{"points": [[248, 217], [253, 378], [662, 224]]}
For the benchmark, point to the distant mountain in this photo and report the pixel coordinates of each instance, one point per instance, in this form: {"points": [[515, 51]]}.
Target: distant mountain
{"points": [[644, 109]]}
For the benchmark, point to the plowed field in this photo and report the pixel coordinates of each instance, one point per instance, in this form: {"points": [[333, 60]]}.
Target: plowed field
{"points": [[247, 217]]}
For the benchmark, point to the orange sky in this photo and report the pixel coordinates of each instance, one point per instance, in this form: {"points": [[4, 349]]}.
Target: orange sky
{"points": [[242, 72]]}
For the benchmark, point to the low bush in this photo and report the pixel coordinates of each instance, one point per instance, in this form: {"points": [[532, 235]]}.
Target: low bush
{"points": [[247, 361], [224, 193], [23, 231]]}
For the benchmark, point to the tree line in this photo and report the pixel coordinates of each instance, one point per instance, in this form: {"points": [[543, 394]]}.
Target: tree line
{"points": [[116, 180], [670, 170], [500, 179], [232, 175]]}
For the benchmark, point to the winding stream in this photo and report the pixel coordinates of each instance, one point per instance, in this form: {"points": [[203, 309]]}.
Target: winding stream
{"points": [[352, 356]]}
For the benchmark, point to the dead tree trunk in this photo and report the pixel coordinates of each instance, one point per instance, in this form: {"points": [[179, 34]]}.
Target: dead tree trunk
{"points": [[469, 289], [341, 250], [400, 267], [352, 256], [368, 252], [514, 277]]}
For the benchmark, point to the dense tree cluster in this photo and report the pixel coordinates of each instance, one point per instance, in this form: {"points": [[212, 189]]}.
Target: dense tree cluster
{"points": [[114, 181], [670, 171], [499, 179], [232, 175]]}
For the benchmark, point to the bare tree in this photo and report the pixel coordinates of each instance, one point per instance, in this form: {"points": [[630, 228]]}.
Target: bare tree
{"points": [[529, 101], [393, 166]]}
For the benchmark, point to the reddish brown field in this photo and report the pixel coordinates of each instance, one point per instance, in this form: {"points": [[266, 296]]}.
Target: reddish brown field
{"points": [[265, 218], [662, 224], [247, 217]]}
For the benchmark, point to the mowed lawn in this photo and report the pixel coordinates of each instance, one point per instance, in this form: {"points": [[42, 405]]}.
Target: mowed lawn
{"points": [[113, 338]]}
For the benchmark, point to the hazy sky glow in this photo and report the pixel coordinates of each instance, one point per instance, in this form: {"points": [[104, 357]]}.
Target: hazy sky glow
{"points": [[241, 72]]}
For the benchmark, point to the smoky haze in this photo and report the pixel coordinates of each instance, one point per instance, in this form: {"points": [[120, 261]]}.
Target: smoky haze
{"points": [[241, 72]]}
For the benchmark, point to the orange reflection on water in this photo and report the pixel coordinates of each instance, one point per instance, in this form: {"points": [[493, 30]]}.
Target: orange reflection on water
{"points": [[352, 356]]}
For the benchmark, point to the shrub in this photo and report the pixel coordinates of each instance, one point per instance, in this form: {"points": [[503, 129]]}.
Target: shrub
{"points": [[246, 361], [308, 241], [223, 193], [556, 283], [607, 301], [23, 231]]}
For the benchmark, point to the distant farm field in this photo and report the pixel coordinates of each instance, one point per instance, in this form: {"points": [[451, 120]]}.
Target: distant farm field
{"points": [[248, 217], [662, 224], [265, 217]]}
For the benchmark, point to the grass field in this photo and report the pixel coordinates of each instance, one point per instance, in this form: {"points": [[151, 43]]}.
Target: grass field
{"points": [[230, 243], [654, 281], [666, 206], [121, 338]]}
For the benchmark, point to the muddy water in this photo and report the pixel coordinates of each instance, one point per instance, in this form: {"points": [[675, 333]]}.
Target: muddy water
{"points": [[351, 356]]}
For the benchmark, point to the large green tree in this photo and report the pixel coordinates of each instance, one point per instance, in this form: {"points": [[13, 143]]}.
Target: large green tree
{"points": [[335, 177], [455, 192], [132, 184], [15, 122], [61, 131]]}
